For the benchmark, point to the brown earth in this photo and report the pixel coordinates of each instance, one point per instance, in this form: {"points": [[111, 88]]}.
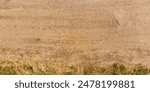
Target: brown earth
{"points": [[60, 33]]}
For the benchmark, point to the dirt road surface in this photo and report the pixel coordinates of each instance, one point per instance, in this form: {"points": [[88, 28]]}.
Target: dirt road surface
{"points": [[69, 32]]}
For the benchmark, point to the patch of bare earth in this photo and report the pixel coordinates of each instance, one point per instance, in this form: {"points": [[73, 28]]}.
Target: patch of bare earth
{"points": [[74, 37]]}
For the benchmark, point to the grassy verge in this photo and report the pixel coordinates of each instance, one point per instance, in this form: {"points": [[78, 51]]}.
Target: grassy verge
{"points": [[78, 69]]}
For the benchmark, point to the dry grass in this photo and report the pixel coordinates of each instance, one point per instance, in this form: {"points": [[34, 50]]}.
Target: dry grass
{"points": [[71, 61], [79, 69]]}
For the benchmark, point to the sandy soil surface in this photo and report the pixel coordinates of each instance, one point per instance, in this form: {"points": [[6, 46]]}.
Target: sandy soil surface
{"points": [[74, 31]]}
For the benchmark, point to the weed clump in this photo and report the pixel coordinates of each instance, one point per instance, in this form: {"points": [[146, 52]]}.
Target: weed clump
{"points": [[7, 70], [139, 69]]}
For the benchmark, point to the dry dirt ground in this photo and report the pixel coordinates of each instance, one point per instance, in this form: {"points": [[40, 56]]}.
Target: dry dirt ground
{"points": [[53, 36]]}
